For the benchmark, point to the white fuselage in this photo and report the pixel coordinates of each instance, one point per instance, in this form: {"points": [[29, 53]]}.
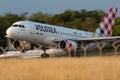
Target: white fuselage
{"points": [[43, 33]]}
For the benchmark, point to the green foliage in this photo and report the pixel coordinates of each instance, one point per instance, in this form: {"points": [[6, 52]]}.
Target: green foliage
{"points": [[76, 23], [116, 30], [39, 17]]}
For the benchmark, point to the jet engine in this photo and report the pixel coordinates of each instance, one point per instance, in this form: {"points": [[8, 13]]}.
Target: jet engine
{"points": [[69, 46], [21, 45]]}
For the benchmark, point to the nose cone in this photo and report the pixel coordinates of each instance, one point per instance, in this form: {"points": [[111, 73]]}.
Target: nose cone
{"points": [[10, 32]]}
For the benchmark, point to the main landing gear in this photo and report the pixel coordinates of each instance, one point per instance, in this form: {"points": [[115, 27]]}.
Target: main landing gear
{"points": [[44, 55]]}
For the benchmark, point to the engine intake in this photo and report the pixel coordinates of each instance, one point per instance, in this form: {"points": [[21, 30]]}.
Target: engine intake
{"points": [[20, 45], [68, 45]]}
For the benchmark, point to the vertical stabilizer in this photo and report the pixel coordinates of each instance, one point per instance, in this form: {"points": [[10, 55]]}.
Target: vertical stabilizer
{"points": [[107, 24]]}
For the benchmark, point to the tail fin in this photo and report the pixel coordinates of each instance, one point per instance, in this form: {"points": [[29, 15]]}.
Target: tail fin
{"points": [[107, 24]]}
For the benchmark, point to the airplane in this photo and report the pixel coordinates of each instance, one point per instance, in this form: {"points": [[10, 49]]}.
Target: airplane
{"points": [[69, 40]]}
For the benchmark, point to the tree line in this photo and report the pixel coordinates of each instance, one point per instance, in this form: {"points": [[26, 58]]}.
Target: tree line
{"points": [[81, 20]]}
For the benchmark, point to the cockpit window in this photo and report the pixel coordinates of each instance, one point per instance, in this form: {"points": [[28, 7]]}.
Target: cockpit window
{"points": [[15, 25], [21, 26]]}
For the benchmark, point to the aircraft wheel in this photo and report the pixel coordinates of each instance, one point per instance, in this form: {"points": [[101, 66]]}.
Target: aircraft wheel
{"points": [[23, 51], [78, 54], [45, 55]]}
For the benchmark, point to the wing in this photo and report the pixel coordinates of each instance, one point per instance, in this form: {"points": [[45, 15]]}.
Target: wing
{"points": [[101, 39], [95, 40]]}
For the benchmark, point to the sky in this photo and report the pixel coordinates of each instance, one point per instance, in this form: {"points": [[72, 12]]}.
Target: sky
{"points": [[55, 6]]}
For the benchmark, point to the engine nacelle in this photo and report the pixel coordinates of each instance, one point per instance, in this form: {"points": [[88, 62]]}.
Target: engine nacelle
{"points": [[20, 45], [68, 45]]}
